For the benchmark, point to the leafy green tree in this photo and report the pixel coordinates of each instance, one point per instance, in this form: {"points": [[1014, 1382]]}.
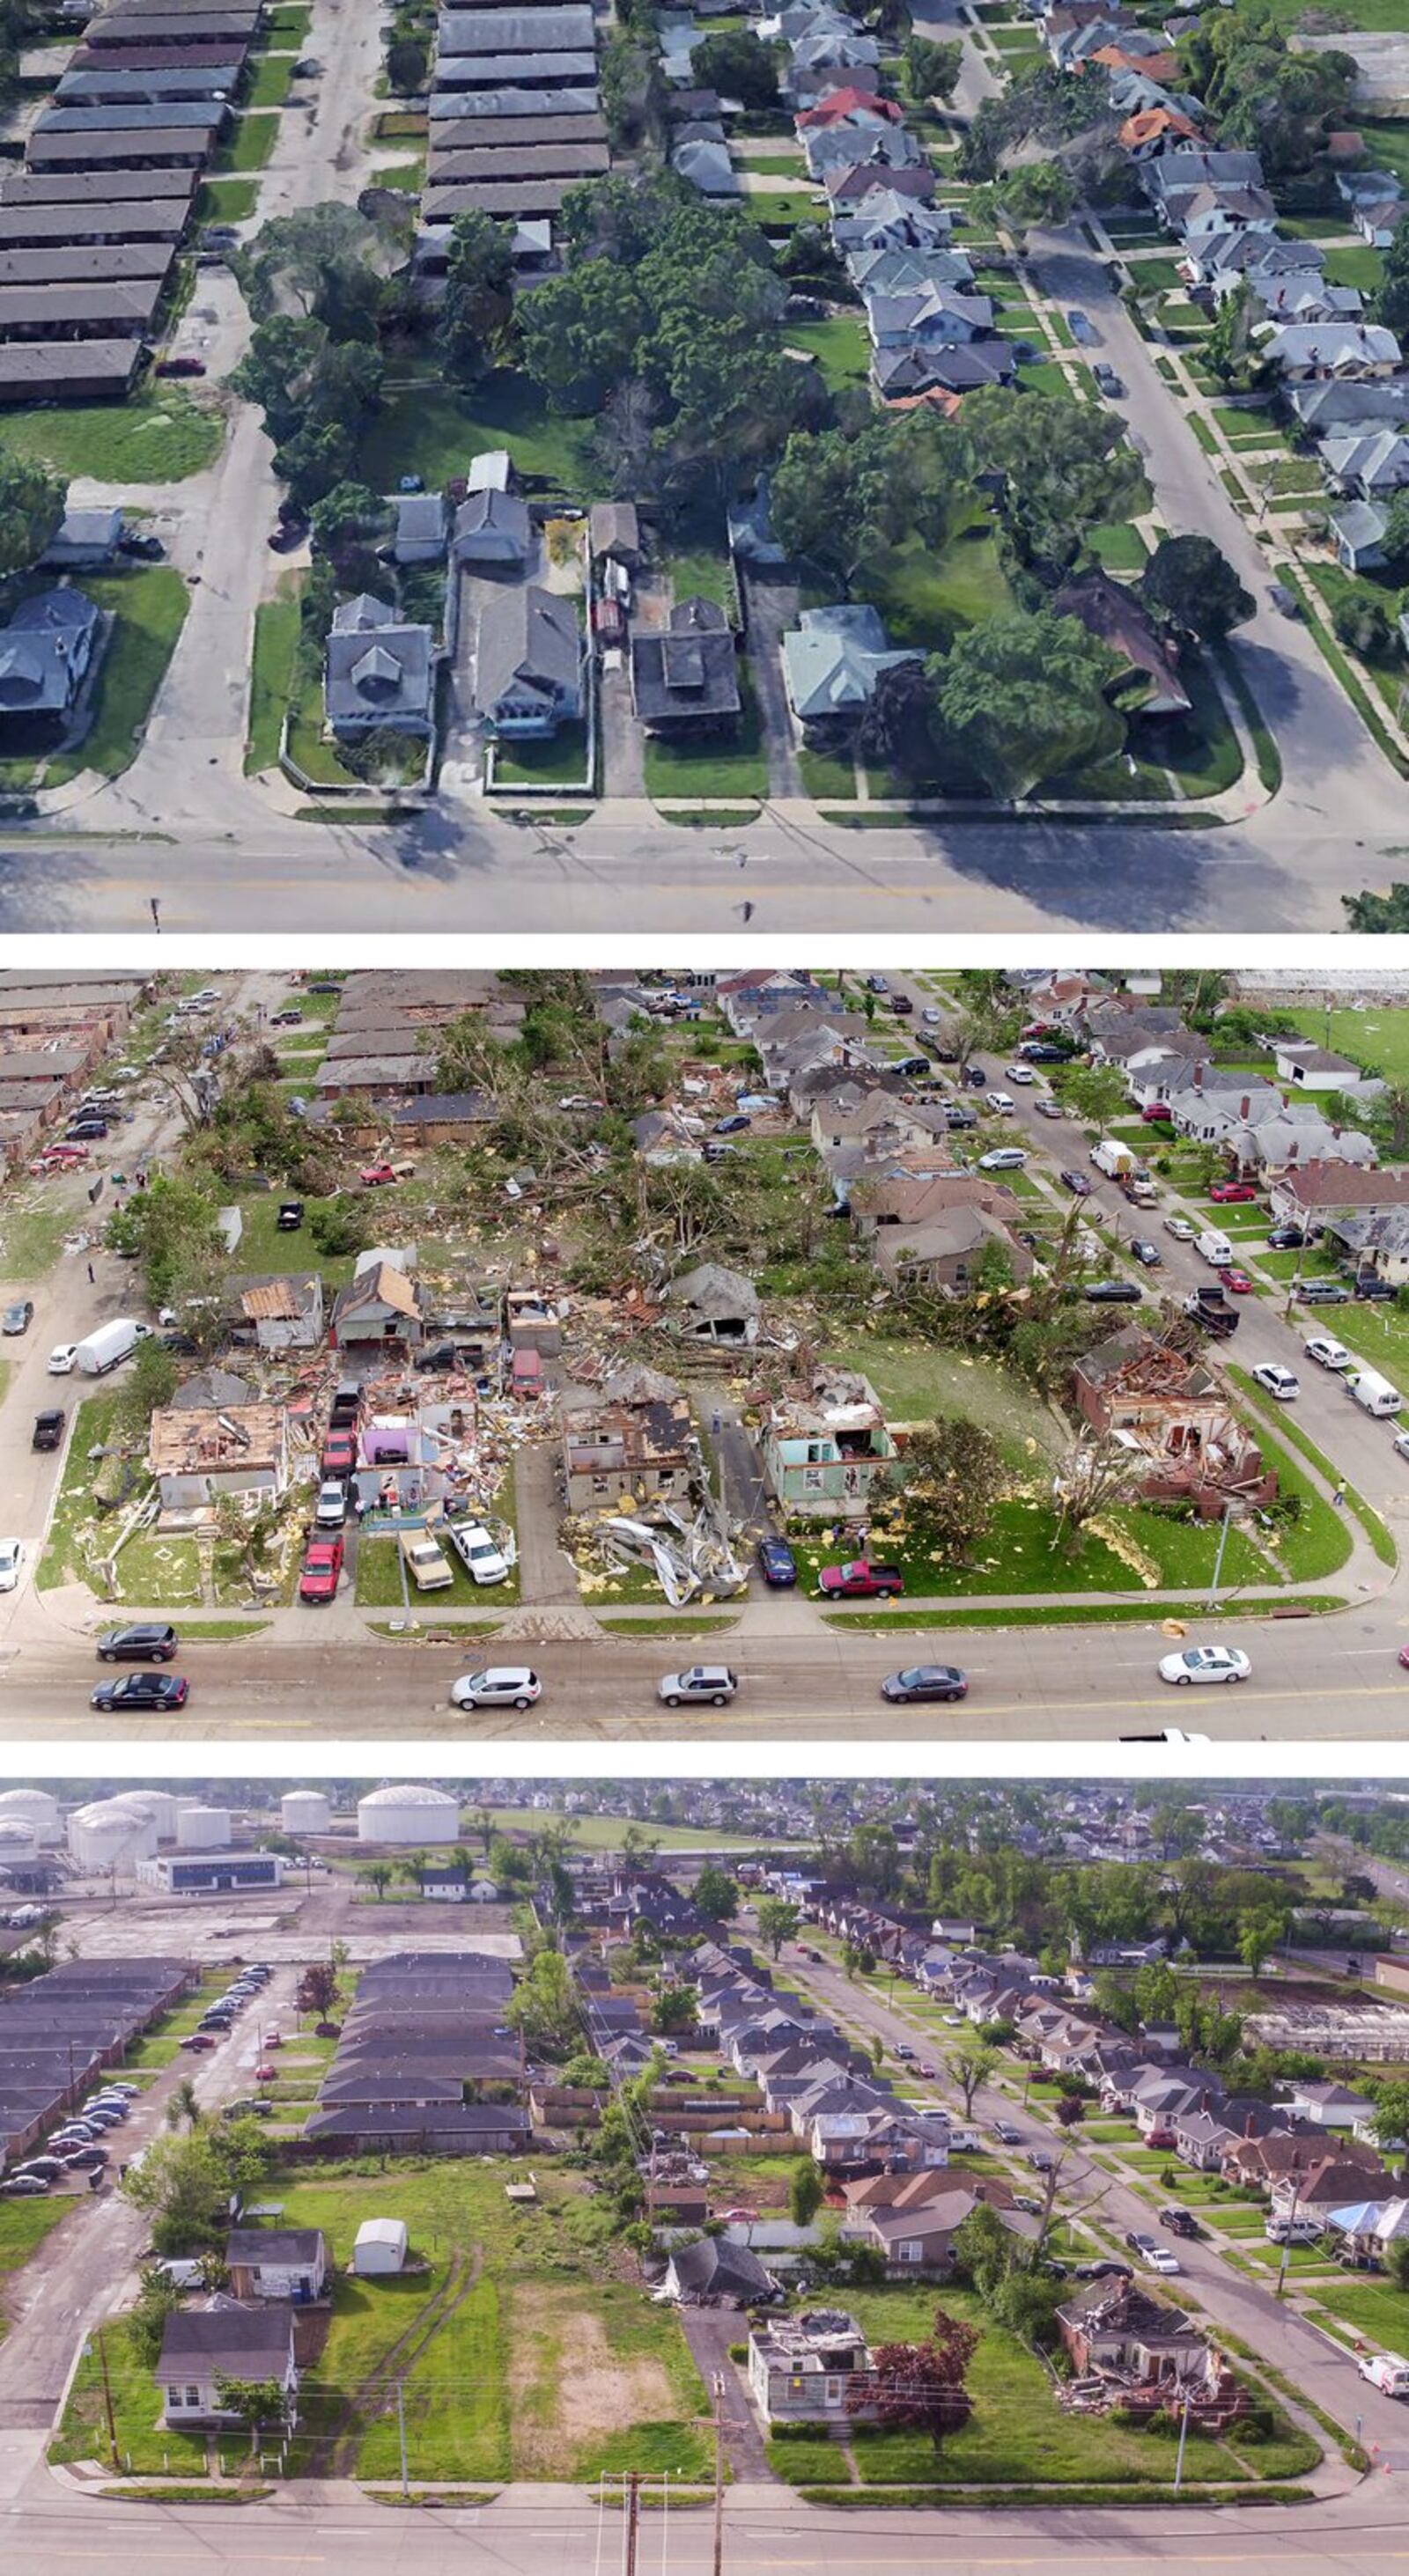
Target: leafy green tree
{"points": [[260, 2404], [806, 2193], [1097, 1092], [184, 2182], [580, 333], [1189, 584], [1380, 913], [778, 1921], [716, 1894], [673, 2007], [1264, 97], [162, 1226], [973, 2062], [932, 70], [1034, 192], [378, 1875], [1389, 303], [349, 510], [1025, 697], [633, 90], [1065, 468], [955, 1479], [1394, 544], [157, 2299], [407, 63], [1363, 621], [544, 2005], [478, 303], [737, 64], [31, 507]]}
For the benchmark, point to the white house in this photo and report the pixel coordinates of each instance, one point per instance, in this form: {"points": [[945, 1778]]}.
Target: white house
{"points": [[277, 2262], [202, 2347]]}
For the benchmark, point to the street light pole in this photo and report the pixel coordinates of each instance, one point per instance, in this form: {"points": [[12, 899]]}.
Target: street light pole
{"points": [[1183, 2438], [1218, 1558]]}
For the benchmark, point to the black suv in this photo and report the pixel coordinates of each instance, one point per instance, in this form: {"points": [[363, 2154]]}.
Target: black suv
{"points": [[148, 1643], [48, 1428]]}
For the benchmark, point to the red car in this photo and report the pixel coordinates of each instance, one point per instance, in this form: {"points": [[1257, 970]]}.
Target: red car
{"points": [[1236, 1281], [339, 1453], [861, 1580], [198, 2041], [374, 1176], [322, 1565], [1404, 1657], [1157, 1115], [265, 2074], [1233, 1193], [1159, 2138]]}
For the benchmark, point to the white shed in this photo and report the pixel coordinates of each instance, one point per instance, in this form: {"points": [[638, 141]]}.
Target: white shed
{"points": [[380, 2246]]}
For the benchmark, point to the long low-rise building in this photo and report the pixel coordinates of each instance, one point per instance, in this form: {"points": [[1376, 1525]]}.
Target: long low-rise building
{"points": [[84, 263], [41, 227], [481, 131], [86, 189], [104, 311], [67, 370], [451, 197], [156, 147]]}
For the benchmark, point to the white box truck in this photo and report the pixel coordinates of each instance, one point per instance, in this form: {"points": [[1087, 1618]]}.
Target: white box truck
{"points": [[1213, 1247], [1373, 1392], [103, 1350], [1111, 1158]]}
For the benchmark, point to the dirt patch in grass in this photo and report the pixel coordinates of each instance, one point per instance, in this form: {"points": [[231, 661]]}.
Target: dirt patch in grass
{"points": [[556, 2412]]}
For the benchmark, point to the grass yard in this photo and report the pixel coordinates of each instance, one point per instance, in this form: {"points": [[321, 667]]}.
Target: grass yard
{"points": [[34, 1222], [1355, 265], [275, 644], [264, 1248], [704, 573], [273, 78], [1375, 2309], [928, 598], [426, 428], [840, 346], [249, 147], [603, 1833], [226, 201], [1119, 549], [559, 761], [64, 1560], [24, 2225], [379, 1584], [1387, 139], [730, 767], [1021, 1555], [160, 436], [148, 606], [915, 1382], [825, 777], [1376, 1038]]}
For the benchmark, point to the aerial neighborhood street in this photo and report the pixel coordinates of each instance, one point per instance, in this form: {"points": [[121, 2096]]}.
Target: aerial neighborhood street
{"points": [[744, 1354], [484, 462], [761, 2173]]}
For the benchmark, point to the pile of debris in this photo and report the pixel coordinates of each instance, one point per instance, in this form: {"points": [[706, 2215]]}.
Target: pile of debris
{"points": [[694, 1559]]}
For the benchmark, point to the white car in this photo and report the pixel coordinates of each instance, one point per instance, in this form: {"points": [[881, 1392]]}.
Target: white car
{"points": [[1022, 1074], [1000, 1101], [1281, 1382], [481, 1559], [61, 1359], [1205, 1664], [1160, 2259], [1180, 1228], [1004, 1158], [331, 1510], [1326, 1353], [11, 1559], [932, 1017], [498, 1686]]}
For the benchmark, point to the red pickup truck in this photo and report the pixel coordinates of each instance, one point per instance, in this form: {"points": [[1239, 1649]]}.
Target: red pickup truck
{"points": [[322, 1566], [861, 1580]]}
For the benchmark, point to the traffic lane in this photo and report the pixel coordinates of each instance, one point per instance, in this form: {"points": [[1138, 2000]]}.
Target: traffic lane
{"points": [[1336, 1676]]}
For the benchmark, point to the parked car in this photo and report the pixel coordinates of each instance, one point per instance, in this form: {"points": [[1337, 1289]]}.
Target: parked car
{"points": [[377, 1176], [199, 2041], [179, 367], [321, 1571], [1146, 1253], [1082, 328], [11, 1560], [1021, 1074], [1006, 2134], [19, 1317], [1323, 1292], [1275, 1380], [1286, 1238], [1138, 2241], [925, 1681], [714, 1683], [1041, 2159], [1110, 384], [23, 2187], [48, 1428], [732, 1126], [1113, 1292], [1180, 2222], [145, 1642], [498, 1686], [339, 1453], [862, 1579], [1327, 1354], [331, 1510], [1162, 2258], [1236, 1281], [1180, 1228], [1205, 1664], [1232, 1193], [1004, 1158], [1003, 1103], [1108, 2268], [777, 1564], [140, 1691], [1076, 1182]]}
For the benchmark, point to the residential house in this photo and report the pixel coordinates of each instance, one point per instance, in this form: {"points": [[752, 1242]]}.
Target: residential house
{"points": [[1177, 1413], [202, 2348], [282, 1311], [1116, 2329], [277, 2263], [712, 1304], [492, 529], [1308, 1067], [1358, 529], [1303, 351], [829, 1456], [422, 528], [378, 672], [1328, 2105], [631, 1440], [528, 661], [379, 1309], [198, 1457], [1368, 462], [832, 660], [714, 2268], [46, 652], [1147, 681], [811, 2368], [1308, 1193], [614, 535], [685, 676], [947, 1250], [1378, 1246], [84, 540]]}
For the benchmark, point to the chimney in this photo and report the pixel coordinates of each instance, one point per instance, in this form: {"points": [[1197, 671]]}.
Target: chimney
{"points": [[1199, 1076]]}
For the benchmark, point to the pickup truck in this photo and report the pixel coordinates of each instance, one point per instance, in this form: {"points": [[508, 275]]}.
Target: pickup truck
{"points": [[861, 1580], [1214, 1310]]}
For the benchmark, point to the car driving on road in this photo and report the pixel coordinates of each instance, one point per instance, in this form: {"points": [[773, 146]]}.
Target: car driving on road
{"points": [[1205, 1664], [498, 1686], [714, 1683], [145, 1642], [925, 1681], [1281, 1382], [140, 1691]]}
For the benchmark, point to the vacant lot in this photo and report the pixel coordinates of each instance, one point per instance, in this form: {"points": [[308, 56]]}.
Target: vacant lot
{"points": [[160, 436]]}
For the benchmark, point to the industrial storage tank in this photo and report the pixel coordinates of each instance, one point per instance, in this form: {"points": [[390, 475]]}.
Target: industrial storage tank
{"points": [[109, 1835], [159, 1804], [408, 1815], [35, 1808], [305, 1811], [19, 1843], [203, 1828]]}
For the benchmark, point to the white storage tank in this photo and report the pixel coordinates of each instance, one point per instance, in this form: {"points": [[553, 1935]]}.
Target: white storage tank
{"points": [[19, 1843], [158, 1804], [305, 1811], [35, 1808], [408, 1815], [108, 1835], [203, 1828]]}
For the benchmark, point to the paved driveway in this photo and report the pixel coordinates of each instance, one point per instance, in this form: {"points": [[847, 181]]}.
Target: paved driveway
{"points": [[709, 2333], [771, 607]]}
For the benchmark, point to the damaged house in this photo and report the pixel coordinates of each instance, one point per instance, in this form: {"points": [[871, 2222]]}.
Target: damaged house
{"points": [[829, 1455], [632, 1440], [379, 1308], [198, 1455], [712, 1304], [1178, 1415], [1129, 2349]]}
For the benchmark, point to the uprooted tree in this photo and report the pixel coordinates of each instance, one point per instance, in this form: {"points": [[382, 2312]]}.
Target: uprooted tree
{"points": [[919, 2387]]}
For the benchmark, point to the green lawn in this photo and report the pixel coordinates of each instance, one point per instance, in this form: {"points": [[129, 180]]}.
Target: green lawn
{"points": [[264, 1248], [24, 2225], [1375, 2309], [1377, 1038], [1387, 139], [825, 777], [249, 147], [1356, 265], [426, 428], [730, 766], [1119, 549], [704, 573], [1021, 1555], [379, 1584], [559, 761], [275, 644], [926, 598], [916, 1382], [34, 1220], [840, 346], [270, 86], [148, 605], [603, 1833], [160, 436], [226, 201]]}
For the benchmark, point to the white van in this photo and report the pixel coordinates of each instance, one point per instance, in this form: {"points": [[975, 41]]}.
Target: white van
{"points": [[1388, 2371], [1292, 2231], [1213, 1247], [1374, 1393]]}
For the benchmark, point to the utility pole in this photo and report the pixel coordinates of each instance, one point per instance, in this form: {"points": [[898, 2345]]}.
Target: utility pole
{"points": [[1223, 1530], [718, 2473], [1287, 2241], [1183, 2438], [632, 2532], [401, 2431], [107, 2396]]}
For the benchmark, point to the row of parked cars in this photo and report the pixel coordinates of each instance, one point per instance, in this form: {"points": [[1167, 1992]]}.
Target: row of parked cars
{"points": [[77, 2147], [219, 2018]]}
